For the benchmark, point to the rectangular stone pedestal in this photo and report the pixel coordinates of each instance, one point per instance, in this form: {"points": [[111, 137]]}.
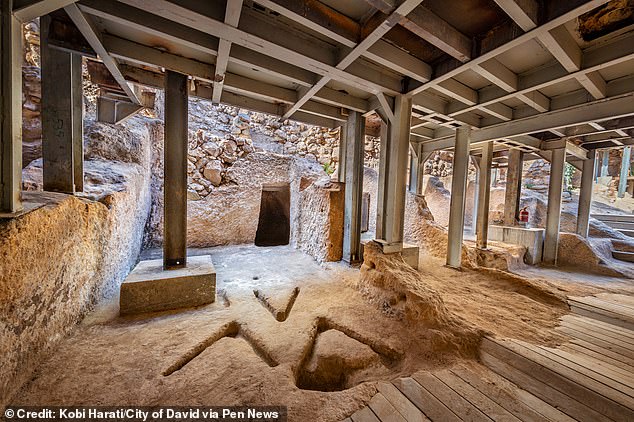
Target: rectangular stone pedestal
{"points": [[409, 252], [150, 288], [533, 239]]}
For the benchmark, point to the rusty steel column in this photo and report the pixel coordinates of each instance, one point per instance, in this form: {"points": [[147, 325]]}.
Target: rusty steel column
{"points": [[175, 172]]}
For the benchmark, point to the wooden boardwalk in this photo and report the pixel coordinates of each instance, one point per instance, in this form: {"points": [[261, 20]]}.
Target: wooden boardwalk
{"points": [[589, 378]]}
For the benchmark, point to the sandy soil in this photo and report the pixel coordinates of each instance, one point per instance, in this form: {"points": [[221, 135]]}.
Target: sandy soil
{"points": [[253, 350]]}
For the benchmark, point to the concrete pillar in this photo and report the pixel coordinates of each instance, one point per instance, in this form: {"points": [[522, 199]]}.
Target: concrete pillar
{"points": [[175, 172], [354, 141], [625, 170], [555, 190], [62, 117], [423, 157], [484, 194], [585, 195], [513, 187], [476, 193], [10, 109], [393, 177], [458, 190]]}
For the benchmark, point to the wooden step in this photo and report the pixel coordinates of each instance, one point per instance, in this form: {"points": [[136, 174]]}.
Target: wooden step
{"points": [[625, 225], [620, 314], [629, 218], [629, 233], [623, 256], [607, 397]]}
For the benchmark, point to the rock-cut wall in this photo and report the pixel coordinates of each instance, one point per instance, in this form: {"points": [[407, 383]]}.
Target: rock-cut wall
{"points": [[57, 261]]}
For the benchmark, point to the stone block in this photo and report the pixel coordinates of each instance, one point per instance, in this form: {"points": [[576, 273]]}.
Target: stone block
{"points": [[532, 238], [150, 288]]}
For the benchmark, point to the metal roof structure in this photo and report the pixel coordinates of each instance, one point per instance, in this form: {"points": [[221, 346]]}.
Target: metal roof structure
{"points": [[529, 74]]}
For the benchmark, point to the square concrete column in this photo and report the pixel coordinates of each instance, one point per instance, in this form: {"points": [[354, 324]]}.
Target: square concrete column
{"points": [[555, 191], [585, 195], [341, 168], [354, 142], [175, 173], [605, 161], [513, 187], [484, 194], [393, 177], [10, 109], [62, 117], [625, 171], [458, 195]]}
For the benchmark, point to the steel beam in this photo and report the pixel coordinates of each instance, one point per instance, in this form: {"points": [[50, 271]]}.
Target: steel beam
{"points": [[10, 109], [458, 196], [27, 10], [354, 141], [585, 194], [62, 117], [553, 216], [393, 178], [513, 187], [175, 171], [625, 170], [484, 195], [232, 16], [523, 12]]}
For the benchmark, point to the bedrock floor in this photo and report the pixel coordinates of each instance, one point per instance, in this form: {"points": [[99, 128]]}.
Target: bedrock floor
{"points": [[284, 330]]}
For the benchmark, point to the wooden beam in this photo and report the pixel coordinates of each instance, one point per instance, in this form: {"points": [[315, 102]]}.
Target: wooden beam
{"points": [[427, 25], [499, 74], [232, 16], [523, 12], [594, 83], [92, 36]]}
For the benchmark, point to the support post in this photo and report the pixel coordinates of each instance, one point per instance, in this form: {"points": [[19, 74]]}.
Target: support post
{"points": [[423, 157], [10, 109], [484, 195], [341, 168], [62, 117], [175, 173], [393, 177], [458, 190], [354, 141], [625, 170], [555, 190], [585, 195], [476, 193], [414, 168], [604, 163], [513, 187]]}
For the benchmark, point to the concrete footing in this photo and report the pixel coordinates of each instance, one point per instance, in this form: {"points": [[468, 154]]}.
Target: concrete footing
{"points": [[409, 252], [150, 288]]}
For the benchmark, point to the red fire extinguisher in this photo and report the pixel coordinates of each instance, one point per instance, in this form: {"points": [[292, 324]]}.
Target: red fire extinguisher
{"points": [[524, 216]]}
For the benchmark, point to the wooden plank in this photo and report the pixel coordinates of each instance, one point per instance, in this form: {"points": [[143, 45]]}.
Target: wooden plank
{"points": [[617, 298], [433, 408], [476, 398], [575, 363], [599, 348], [605, 400], [604, 326], [364, 415], [592, 312], [384, 410], [510, 397], [456, 403], [405, 407], [604, 335], [621, 310], [602, 368], [629, 354], [544, 391], [572, 347]]}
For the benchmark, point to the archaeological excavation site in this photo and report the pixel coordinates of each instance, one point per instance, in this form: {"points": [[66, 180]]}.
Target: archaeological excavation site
{"points": [[317, 210]]}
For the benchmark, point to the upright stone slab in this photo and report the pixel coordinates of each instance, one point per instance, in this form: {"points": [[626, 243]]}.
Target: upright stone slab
{"points": [[149, 288]]}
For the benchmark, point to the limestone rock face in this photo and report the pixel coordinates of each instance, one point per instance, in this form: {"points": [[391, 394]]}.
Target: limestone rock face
{"points": [[58, 260]]}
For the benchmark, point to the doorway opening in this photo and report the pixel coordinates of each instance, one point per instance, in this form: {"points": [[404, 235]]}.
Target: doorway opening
{"points": [[274, 224]]}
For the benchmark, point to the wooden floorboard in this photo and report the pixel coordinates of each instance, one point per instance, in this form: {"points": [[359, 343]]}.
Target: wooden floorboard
{"points": [[588, 378]]}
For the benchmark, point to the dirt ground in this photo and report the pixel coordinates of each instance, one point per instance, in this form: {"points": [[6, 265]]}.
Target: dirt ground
{"points": [[306, 339]]}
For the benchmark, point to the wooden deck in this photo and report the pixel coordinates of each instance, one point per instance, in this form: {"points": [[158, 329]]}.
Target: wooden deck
{"points": [[589, 378]]}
